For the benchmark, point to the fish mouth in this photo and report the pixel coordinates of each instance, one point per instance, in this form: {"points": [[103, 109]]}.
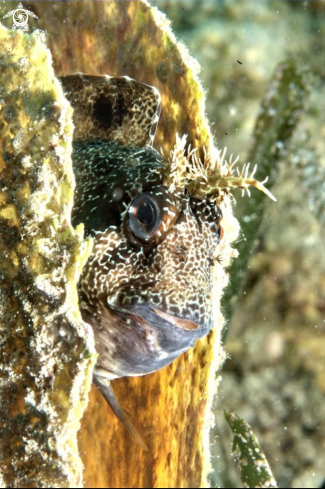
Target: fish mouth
{"points": [[152, 315], [183, 323], [140, 339]]}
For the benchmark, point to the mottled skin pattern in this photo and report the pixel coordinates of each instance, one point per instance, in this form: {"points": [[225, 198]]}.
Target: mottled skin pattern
{"points": [[172, 275], [146, 288]]}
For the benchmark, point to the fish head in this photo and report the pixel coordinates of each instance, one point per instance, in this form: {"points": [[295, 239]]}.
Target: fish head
{"points": [[146, 288]]}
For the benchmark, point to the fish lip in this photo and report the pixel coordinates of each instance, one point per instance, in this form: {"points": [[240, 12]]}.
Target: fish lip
{"points": [[140, 339], [182, 323], [139, 311]]}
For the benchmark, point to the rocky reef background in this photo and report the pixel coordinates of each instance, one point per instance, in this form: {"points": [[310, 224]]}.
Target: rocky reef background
{"points": [[275, 374]]}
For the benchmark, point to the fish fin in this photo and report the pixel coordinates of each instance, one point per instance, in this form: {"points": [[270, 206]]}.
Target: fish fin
{"points": [[104, 386], [111, 108]]}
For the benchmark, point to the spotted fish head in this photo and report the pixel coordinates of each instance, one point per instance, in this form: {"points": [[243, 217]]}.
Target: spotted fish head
{"points": [[146, 288]]}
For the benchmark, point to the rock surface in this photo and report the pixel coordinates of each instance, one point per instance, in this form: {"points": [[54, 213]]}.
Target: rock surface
{"points": [[46, 351]]}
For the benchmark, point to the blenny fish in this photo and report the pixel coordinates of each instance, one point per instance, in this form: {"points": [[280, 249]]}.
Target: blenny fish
{"points": [[155, 221]]}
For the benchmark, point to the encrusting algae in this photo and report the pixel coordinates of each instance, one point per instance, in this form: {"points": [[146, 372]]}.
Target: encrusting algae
{"points": [[172, 405], [212, 178], [46, 350]]}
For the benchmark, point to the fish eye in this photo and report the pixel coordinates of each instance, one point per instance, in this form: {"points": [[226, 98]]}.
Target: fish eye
{"points": [[146, 212], [150, 215], [220, 233], [144, 215]]}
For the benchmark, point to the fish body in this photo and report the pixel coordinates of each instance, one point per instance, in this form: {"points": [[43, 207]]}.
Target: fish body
{"points": [[147, 287]]}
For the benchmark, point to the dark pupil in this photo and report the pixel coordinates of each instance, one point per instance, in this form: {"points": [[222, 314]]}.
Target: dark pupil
{"points": [[145, 214]]}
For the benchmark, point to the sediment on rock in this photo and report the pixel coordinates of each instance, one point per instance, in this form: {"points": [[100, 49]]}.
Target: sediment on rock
{"points": [[46, 351]]}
